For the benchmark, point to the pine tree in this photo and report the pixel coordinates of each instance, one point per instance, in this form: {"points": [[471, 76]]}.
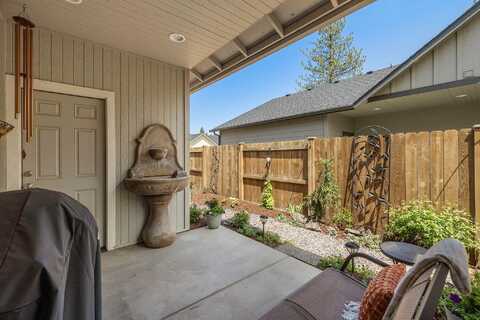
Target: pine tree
{"points": [[202, 130], [332, 57]]}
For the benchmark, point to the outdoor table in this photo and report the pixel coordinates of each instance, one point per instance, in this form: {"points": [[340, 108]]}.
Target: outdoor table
{"points": [[401, 251]]}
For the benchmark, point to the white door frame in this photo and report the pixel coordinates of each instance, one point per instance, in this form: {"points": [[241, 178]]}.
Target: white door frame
{"points": [[14, 141]]}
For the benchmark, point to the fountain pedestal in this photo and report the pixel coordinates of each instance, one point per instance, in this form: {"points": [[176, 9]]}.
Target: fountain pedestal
{"points": [[158, 232]]}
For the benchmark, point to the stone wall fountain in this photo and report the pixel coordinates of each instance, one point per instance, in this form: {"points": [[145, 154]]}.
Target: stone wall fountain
{"points": [[156, 175]]}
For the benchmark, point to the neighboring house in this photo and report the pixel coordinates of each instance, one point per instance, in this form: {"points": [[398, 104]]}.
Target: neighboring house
{"points": [[203, 140], [437, 88]]}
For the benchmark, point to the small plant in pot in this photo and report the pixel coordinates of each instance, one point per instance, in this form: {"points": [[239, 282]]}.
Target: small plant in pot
{"points": [[214, 214]]}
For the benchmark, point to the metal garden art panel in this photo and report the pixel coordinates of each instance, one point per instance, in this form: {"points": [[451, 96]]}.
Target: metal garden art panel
{"points": [[368, 177]]}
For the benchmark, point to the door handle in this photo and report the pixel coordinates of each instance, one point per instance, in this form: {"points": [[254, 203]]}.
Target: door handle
{"points": [[28, 173]]}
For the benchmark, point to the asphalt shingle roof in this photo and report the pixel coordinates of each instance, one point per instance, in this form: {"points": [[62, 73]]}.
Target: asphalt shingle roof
{"points": [[327, 97]]}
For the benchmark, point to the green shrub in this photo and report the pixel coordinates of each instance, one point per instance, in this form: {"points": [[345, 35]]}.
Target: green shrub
{"points": [[293, 209], [267, 195], [330, 262], [420, 223], [343, 219], [241, 219], [296, 219], [212, 203], [282, 218], [466, 306], [214, 208], [271, 238], [325, 196], [368, 240], [248, 231], [215, 211], [195, 214], [336, 262]]}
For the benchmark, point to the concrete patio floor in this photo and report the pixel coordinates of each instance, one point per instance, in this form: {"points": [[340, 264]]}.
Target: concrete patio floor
{"points": [[205, 274]]}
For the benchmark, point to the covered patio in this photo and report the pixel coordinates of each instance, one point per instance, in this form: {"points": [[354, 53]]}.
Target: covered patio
{"points": [[93, 78], [204, 275], [97, 74], [130, 65]]}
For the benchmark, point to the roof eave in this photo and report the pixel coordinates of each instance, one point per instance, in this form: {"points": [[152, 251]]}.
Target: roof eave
{"points": [[445, 33], [309, 22], [298, 116]]}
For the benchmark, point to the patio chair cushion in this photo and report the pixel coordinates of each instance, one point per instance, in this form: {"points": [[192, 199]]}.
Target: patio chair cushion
{"points": [[380, 291], [322, 298]]}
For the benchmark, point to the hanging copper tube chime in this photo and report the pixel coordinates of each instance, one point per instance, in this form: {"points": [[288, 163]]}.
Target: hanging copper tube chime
{"points": [[24, 98]]}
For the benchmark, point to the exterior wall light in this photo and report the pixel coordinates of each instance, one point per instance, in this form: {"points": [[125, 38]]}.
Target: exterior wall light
{"points": [[263, 220]]}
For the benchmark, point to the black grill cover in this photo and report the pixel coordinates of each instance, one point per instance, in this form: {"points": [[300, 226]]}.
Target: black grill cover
{"points": [[49, 257]]}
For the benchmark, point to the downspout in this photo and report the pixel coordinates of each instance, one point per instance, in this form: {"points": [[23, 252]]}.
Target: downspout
{"points": [[219, 135]]}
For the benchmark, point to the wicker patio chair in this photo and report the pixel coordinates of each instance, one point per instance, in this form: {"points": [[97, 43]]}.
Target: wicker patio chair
{"points": [[416, 297]]}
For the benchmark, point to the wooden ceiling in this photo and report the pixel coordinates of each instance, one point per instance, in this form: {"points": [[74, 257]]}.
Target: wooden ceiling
{"points": [[222, 35]]}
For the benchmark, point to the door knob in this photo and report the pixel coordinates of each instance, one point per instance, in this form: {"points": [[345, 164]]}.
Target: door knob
{"points": [[28, 173]]}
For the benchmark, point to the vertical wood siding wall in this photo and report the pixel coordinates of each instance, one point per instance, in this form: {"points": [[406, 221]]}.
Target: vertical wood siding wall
{"points": [[146, 92], [437, 166], [455, 58]]}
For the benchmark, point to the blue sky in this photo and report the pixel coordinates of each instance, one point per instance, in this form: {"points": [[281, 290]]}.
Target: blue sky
{"points": [[388, 31]]}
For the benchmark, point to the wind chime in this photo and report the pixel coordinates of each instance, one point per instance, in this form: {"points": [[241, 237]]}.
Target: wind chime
{"points": [[23, 71]]}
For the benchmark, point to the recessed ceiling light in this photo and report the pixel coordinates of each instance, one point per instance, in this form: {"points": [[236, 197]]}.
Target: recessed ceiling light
{"points": [[461, 96], [74, 1], [377, 109], [177, 37]]}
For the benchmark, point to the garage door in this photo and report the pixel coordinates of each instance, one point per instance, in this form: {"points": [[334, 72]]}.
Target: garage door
{"points": [[67, 152]]}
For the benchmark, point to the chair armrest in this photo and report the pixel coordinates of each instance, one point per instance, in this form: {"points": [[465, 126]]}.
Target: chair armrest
{"points": [[365, 256]]}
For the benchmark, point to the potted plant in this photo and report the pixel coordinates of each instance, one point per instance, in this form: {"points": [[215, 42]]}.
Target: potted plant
{"points": [[458, 305], [214, 214]]}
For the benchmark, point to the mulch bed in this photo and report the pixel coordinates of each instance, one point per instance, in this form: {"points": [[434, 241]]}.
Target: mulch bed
{"points": [[238, 205], [201, 224], [253, 208]]}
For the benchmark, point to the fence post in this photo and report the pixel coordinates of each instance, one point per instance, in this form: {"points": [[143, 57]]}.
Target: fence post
{"points": [[476, 175], [204, 168], [240, 171], [310, 164]]}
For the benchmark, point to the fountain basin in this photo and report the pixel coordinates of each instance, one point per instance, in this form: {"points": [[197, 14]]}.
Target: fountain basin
{"points": [[153, 186]]}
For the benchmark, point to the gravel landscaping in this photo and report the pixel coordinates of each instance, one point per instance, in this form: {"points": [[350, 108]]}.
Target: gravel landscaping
{"points": [[307, 245]]}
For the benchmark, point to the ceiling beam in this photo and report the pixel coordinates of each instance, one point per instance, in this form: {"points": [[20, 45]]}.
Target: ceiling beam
{"points": [[216, 63], [197, 75], [296, 29], [276, 24], [241, 47]]}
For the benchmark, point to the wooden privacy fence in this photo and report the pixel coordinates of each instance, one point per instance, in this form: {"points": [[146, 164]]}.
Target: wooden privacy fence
{"points": [[441, 166]]}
